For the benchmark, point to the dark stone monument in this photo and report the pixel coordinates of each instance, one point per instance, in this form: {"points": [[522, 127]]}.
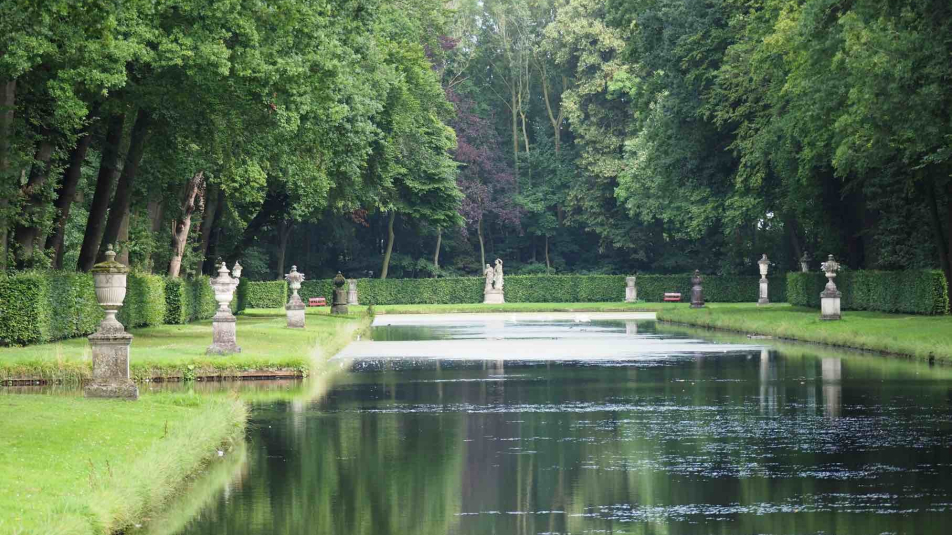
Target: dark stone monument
{"points": [[339, 304], [697, 293]]}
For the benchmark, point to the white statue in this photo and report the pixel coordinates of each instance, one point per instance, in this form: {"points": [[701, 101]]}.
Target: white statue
{"points": [[488, 273], [497, 281]]}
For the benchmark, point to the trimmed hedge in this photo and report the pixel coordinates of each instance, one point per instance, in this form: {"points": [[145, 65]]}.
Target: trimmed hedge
{"points": [[907, 292], [144, 305], [188, 300], [268, 294], [547, 289]]}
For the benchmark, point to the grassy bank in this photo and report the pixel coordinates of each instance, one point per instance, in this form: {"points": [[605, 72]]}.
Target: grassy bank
{"points": [[914, 336], [77, 466], [178, 351], [521, 307]]}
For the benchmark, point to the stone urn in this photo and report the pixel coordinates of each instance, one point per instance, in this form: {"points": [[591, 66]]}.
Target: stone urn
{"points": [[295, 306], [697, 292], [830, 296], [764, 265], [352, 292], [339, 304], [224, 336], [110, 344], [631, 290]]}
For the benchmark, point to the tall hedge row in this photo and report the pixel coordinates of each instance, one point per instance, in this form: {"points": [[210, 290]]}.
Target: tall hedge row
{"points": [[268, 294], [906, 292], [38, 307], [536, 289]]}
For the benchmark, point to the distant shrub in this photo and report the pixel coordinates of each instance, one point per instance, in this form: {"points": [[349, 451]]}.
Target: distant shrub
{"points": [[269, 294], [908, 292]]}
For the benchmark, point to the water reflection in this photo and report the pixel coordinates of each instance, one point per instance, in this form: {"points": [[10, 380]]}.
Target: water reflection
{"points": [[727, 443]]}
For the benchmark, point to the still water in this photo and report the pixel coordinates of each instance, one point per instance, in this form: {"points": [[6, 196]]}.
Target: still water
{"points": [[705, 438]]}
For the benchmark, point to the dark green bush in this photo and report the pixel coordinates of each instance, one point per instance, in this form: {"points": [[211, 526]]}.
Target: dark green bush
{"points": [[203, 299], [25, 311], [269, 294], [73, 305], [189, 300], [907, 292], [145, 303]]}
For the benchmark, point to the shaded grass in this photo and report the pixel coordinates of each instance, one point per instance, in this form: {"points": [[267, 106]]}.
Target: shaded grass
{"points": [[178, 351], [914, 336], [75, 465], [522, 307]]}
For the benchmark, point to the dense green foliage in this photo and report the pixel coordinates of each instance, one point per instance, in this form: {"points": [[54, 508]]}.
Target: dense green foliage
{"points": [[188, 300], [270, 294], [908, 292], [144, 305]]}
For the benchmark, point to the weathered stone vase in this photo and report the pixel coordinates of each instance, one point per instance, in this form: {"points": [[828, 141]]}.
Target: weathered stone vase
{"points": [[830, 296], [697, 292], [764, 266], [339, 305], [110, 344], [224, 332], [295, 306], [631, 291], [352, 292]]}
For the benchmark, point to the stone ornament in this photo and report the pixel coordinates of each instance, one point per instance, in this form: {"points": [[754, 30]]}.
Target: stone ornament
{"points": [[339, 304], [352, 292], [110, 344], [224, 336], [764, 266], [830, 296], [631, 291], [805, 262], [295, 306], [697, 292], [492, 292]]}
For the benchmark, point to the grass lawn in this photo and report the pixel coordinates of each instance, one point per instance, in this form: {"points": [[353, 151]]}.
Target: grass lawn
{"points": [[78, 466], [178, 351], [522, 307], [915, 336]]}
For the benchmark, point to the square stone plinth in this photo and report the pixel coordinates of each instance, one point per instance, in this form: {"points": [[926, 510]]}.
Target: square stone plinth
{"points": [[295, 317], [110, 353], [494, 297], [224, 338], [830, 308]]}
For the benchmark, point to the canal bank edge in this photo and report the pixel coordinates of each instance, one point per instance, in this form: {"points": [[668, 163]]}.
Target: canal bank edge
{"points": [[927, 338], [86, 466]]}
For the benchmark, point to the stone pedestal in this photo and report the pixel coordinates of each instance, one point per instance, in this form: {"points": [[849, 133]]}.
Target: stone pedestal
{"points": [[224, 336], [697, 292], [763, 293], [110, 354], [295, 311], [493, 297], [830, 305], [339, 304], [631, 291], [352, 292]]}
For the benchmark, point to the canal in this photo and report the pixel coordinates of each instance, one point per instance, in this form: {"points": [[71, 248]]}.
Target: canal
{"points": [[589, 424]]}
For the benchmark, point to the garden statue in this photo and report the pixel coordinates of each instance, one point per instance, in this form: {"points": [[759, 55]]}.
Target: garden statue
{"points": [[224, 336], [339, 304], [110, 344], [697, 293], [492, 291], [295, 306], [631, 291], [805, 262], [352, 292], [830, 296], [764, 265]]}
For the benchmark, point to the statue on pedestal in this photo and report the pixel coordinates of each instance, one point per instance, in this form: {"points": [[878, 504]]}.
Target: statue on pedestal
{"points": [[492, 291]]}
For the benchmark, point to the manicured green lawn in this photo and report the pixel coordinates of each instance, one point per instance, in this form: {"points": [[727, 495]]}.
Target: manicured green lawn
{"points": [[916, 336], [78, 466], [523, 307], [179, 350]]}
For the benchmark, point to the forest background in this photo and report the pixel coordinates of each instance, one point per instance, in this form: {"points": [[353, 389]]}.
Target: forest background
{"points": [[422, 138]]}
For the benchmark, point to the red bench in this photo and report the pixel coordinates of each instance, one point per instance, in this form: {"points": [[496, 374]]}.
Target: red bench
{"points": [[317, 302], [672, 297]]}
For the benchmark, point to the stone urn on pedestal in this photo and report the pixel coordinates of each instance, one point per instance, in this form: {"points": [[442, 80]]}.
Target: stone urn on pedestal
{"points": [[339, 305], [352, 292], [631, 291], [224, 336], [764, 266], [805, 262], [295, 306], [697, 292], [110, 344], [830, 296]]}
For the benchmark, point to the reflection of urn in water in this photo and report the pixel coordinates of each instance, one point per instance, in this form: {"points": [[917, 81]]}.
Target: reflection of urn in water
{"points": [[340, 295]]}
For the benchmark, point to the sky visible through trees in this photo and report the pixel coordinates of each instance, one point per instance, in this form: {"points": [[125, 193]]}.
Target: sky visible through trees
{"points": [[421, 138]]}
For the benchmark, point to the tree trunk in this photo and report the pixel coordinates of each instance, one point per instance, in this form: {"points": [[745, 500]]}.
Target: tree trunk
{"points": [[548, 265], [100, 202], [386, 254], [122, 240], [154, 211], [119, 209], [66, 196], [26, 235], [436, 255], [8, 91], [183, 224], [947, 265], [211, 253], [515, 130], [482, 245], [940, 235], [274, 203], [209, 216], [790, 223], [284, 233]]}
